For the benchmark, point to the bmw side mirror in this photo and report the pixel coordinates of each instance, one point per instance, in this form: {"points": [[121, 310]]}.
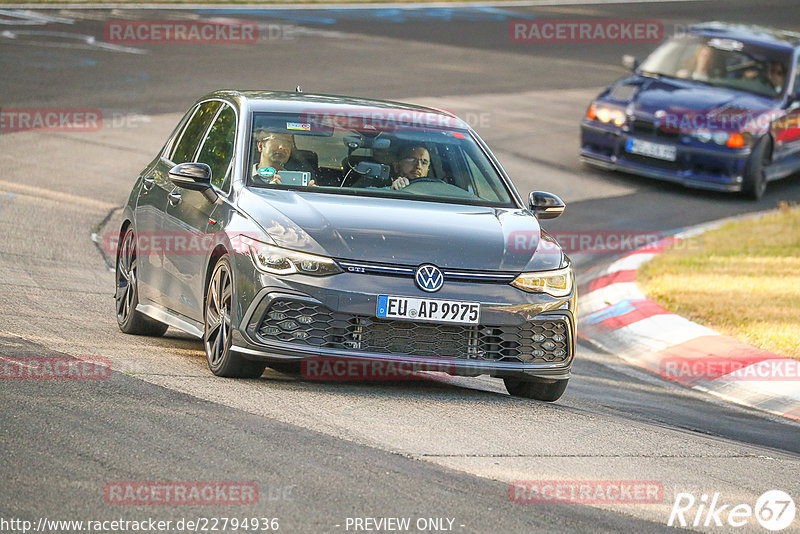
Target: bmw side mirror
{"points": [[794, 100], [195, 177], [545, 205], [630, 62]]}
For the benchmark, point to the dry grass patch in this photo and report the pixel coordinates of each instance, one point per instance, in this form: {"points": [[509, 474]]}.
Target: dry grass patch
{"points": [[742, 280]]}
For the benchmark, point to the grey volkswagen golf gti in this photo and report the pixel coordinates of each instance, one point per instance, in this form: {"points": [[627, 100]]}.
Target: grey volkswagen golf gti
{"points": [[280, 227]]}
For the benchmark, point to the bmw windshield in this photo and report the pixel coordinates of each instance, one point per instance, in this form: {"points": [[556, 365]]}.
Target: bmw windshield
{"points": [[425, 158], [721, 62]]}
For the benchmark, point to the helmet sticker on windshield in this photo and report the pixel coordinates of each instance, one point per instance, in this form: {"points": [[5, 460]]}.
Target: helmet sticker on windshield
{"points": [[303, 126], [266, 172]]}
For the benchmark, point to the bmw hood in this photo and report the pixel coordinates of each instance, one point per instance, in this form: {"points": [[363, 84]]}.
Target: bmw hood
{"points": [[402, 232], [678, 101]]}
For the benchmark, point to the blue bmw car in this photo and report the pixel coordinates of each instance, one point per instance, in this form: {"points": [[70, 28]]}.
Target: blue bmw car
{"points": [[717, 107]]}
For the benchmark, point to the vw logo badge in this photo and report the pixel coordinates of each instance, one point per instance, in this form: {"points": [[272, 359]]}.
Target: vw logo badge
{"points": [[429, 278]]}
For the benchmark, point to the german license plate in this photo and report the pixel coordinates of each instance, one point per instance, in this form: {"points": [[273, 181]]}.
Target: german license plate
{"points": [[428, 310], [653, 150]]}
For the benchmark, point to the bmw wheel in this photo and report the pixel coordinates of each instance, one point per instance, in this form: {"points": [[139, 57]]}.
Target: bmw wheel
{"points": [[755, 176], [539, 389], [217, 338], [126, 295]]}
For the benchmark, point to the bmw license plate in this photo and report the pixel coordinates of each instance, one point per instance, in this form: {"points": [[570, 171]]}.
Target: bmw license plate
{"points": [[653, 150], [428, 310]]}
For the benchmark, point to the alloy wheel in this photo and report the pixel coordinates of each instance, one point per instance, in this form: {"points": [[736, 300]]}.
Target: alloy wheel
{"points": [[126, 278], [217, 335]]}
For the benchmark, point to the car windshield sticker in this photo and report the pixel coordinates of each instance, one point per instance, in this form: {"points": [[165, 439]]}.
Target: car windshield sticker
{"points": [[304, 126], [726, 44]]}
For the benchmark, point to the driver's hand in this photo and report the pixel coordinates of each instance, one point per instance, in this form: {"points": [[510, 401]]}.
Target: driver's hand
{"points": [[400, 183], [276, 179]]}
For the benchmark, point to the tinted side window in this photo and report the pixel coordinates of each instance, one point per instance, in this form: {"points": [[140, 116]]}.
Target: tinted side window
{"points": [[191, 136], [218, 146]]}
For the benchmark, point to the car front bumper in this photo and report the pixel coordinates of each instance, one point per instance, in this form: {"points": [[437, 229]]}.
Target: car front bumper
{"points": [[341, 314], [699, 166]]}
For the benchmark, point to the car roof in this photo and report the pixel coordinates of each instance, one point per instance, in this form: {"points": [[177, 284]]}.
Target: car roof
{"points": [[749, 33], [320, 104]]}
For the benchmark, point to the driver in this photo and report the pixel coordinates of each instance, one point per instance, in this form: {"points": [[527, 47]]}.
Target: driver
{"points": [[776, 74], [412, 163]]}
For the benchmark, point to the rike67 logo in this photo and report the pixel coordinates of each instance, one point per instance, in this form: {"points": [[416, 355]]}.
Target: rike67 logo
{"points": [[774, 510]]}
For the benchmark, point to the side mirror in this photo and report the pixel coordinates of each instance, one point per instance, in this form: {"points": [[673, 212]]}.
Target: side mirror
{"points": [[545, 205], [794, 98], [195, 177], [630, 62]]}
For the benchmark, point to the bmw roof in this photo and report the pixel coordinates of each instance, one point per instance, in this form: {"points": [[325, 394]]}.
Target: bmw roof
{"points": [[749, 33]]}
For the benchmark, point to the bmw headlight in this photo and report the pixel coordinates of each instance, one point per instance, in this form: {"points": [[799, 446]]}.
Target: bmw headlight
{"points": [[606, 114], [730, 139], [557, 283], [277, 260]]}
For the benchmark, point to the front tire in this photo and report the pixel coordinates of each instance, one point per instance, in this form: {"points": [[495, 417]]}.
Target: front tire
{"points": [[217, 338], [126, 296], [542, 390], [755, 176]]}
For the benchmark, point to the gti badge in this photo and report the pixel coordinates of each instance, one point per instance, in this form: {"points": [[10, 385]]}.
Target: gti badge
{"points": [[429, 278]]}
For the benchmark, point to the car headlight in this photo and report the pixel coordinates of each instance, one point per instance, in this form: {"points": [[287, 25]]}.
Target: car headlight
{"points": [[732, 139], [606, 114], [277, 260], [557, 283]]}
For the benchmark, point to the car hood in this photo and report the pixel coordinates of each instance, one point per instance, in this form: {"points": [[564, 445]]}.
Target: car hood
{"points": [[679, 98], [403, 232]]}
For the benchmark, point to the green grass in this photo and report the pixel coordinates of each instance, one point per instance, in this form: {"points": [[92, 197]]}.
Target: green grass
{"points": [[742, 280]]}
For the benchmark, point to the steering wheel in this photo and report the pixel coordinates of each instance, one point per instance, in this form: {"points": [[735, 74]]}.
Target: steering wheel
{"points": [[424, 179], [434, 186]]}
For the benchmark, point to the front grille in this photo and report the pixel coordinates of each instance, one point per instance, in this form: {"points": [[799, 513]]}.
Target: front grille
{"points": [[651, 129], [313, 325]]}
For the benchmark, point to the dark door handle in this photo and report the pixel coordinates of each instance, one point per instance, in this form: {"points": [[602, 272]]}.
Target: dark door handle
{"points": [[148, 182], [174, 199]]}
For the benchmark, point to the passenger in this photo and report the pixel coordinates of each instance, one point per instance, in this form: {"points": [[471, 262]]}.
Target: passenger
{"points": [[413, 162], [276, 155], [703, 66]]}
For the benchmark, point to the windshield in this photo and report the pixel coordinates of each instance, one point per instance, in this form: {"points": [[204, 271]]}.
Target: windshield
{"points": [[421, 158], [721, 62]]}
